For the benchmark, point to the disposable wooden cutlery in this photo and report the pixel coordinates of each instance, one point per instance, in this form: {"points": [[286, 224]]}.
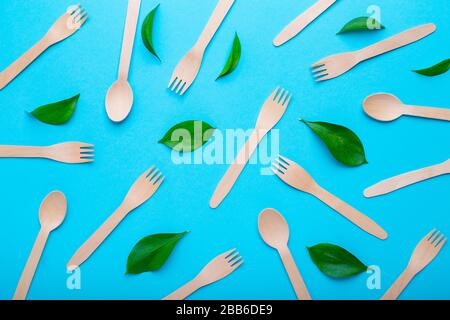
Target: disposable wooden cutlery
{"points": [[406, 179], [64, 27], [302, 21], [119, 98], [217, 269], [187, 69], [68, 152], [336, 65], [275, 232], [144, 187], [51, 214], [425, 252], [270, 114], [386, 107], [295, 176]]}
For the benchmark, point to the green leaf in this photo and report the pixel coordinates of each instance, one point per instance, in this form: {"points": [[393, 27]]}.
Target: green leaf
{"points": [[151, 252], [58, 112], [440, 68], [147, 32], [233, 59], [344, 144], [188, 136], [361, 24], [335, 261]]}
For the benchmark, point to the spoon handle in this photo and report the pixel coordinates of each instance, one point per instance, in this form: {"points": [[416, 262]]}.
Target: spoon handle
{"points": [[397, 41], [184, 291], [294, 274], [358, 218], [406, 179], [30, 268], [428, 112], [216, 19], [398, 286], [96, 239], [128, 37]]}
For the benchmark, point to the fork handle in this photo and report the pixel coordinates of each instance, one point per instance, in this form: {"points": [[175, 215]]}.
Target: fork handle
{"points": [[302, 21], [184, 291], [358, 218], [406, 179], [216, 19], [397, 41], [22, 152], [11, 72], [128, 37], [398, 286], [226, 183], [427, 112], [294, 274], [96, 239]]}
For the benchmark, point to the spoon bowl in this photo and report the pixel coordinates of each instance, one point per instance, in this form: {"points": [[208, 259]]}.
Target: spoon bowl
{"points": [[119, 100], [273, 228], [52, 211], [383, 107]]}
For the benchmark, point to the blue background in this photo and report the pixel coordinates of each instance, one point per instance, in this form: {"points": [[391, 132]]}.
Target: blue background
{"points": [[87, 63]]}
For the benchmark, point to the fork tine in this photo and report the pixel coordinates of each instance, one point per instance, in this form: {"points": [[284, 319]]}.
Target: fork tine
{"points": [[232, 256], [286, 160], [283, 97], [82, 19], [280, 164], [279, 95], [288, 100], [146, 173], [174, 77], [74, 8], [441, 244], [176, 84], [158, 182], [226, 254], [152, 174], [237, 264], [155, 178], [186, 86], [319, 63], [438, 240], [278, 168], [86, 160], [327, 77], [182, 84], [428, 236], [320, 73], [85, 145], [286, 96], [434, 237], [274, 94]]}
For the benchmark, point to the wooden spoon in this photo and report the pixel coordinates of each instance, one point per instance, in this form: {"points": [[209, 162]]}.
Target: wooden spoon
{"points": [[51, 214], [275, 232], [119, 98], [386, 107]]}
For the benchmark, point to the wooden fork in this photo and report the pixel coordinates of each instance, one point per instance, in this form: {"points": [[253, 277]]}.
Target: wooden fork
{"points": [[336, 65], [270, 114], [220, 267], [425, 252], [297, 177], [64, 27], [68, 152], [187, 69], [144, 187]]}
